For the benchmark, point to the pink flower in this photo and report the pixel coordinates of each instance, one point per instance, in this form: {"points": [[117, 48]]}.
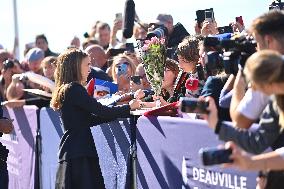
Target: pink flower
{"points": [[145, 47], [154, 40], [147, 41]]}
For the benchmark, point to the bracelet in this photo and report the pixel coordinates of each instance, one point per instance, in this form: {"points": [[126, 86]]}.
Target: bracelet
{"points": [[218, 126]]}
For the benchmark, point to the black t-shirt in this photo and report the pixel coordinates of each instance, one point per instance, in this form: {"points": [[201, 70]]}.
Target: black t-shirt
{"points": [[78, 113]]}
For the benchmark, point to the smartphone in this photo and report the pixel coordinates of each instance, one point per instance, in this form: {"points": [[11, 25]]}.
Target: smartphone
{"points": [[209, 15], [200, 16], [239, 19], [136, 79], [118, 16], [214, 156], [193, 105], [122, 69]]}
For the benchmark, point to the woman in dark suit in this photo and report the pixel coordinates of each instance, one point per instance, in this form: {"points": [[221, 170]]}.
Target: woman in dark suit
{"points": [[78, 159]]}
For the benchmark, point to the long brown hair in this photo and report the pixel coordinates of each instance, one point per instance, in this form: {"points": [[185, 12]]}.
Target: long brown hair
{"points": [[68, 69], [266, 67]]}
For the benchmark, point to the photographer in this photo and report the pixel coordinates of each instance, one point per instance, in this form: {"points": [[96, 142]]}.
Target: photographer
{"points": [[174, 33], [10, 67], [246, 106], [6, 127], [265, 71]]}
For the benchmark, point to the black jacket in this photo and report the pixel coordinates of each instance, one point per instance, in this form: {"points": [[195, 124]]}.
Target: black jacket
{"points": [[79, 112]]}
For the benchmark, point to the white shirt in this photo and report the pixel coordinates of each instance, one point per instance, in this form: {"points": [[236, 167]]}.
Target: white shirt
{"points": [[253, 104], [280, 151]]}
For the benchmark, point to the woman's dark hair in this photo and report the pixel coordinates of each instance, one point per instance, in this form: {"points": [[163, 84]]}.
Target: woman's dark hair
{"points": [[68, 69]]}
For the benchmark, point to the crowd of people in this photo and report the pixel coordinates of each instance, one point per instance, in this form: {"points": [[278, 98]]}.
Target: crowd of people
{"points": [[252, 93]]}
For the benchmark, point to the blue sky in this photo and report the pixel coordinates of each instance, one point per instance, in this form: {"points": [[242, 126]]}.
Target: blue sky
{"points": [[60, 20]]}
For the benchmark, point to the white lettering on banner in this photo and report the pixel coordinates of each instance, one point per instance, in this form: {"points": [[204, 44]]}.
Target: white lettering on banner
{"points": [[216, 178], [12, 137]]}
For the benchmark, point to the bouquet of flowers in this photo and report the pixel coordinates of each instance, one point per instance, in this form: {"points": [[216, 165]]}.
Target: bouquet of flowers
{"points": [[153, 57]]}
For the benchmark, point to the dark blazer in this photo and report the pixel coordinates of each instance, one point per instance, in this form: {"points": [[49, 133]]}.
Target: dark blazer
{"points": [[78, 113]]}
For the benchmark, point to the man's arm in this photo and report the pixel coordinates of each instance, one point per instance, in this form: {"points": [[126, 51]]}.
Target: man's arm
{"points": [[239, 91]]}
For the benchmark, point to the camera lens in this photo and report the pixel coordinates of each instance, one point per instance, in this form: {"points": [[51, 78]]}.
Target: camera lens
{"points": [[8, 64], [159, 32]]}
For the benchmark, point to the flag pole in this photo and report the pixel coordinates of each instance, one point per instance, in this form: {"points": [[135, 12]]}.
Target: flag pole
{"points": [[16, 50]]}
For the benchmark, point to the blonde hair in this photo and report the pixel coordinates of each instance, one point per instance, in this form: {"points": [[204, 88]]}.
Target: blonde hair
{"points": [[116, 60], [49, 60], [266, 67], [68, 70]]}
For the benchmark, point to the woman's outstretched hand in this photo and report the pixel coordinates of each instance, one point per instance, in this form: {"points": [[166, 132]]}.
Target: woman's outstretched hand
{"points": [[135, 104]]}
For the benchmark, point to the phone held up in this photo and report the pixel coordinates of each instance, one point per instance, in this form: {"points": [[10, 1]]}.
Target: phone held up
{"points": [[209, 15], [239, 19], [214, 156], [122, 69], [118, 16]]}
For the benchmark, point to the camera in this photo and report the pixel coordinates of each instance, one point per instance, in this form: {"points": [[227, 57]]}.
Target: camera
{"points": [[8, 64], [225, 29], [136, 79], [214, 156], [160, 31], [276, 5], [213, 63], [235, 51], [193, 105]]}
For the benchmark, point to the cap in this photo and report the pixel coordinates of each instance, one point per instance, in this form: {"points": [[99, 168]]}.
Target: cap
{"points": [[164, 18], [102, 85], [35, 54]]}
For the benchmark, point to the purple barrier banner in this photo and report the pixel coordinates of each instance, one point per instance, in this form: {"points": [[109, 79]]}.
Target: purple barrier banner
{"points": [[21, 145], [112, 143], [168, 158]]}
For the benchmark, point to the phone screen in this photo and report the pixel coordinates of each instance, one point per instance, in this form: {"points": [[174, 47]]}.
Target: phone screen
{"points": [[122, 69], [209, 15], [118, 16]]}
